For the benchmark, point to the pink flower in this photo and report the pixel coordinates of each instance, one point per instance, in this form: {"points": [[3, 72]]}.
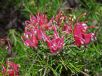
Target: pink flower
{"points": [[42, 36], [56, 35], [67, 29], [60, 18], [33, 30], [55, 44], [39, 19], [39, 34], [30, 39], [12, 69], [80, 34]]}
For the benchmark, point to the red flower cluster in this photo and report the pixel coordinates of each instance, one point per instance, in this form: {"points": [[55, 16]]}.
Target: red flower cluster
{"points": [[33, 29], [12, 69], [37, 26], [80, 34]]}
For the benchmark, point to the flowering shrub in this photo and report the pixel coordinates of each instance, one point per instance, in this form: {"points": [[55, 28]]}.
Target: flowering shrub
{"points": [[37, 26], [54, 46]]}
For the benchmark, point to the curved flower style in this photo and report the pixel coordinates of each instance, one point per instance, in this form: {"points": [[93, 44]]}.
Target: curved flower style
{"points": [[80, 34], [55, 44], [39, 19], [33, 29], [67, 28], [12, 69], [30, 39], [60, 18]]}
